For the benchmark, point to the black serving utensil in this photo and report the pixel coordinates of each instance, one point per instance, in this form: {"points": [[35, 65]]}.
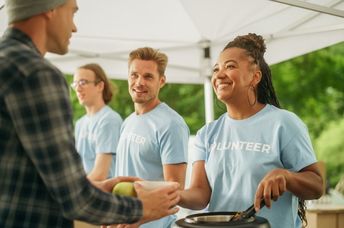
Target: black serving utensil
{"points": [[249, 212]]}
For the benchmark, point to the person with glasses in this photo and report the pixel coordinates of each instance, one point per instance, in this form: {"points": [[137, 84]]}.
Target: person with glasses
{"points": [[97, 132], [42, 180]]}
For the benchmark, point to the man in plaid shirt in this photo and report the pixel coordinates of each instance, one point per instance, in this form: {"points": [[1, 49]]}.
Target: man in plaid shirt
{"points": [[42, 181]]}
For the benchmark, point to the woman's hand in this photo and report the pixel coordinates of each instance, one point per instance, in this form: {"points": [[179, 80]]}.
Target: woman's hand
{"points": [[272, 186], [306, 184]]}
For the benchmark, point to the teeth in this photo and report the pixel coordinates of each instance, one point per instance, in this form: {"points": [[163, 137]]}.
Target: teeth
{"points": [[139, 91], [220, 85]]}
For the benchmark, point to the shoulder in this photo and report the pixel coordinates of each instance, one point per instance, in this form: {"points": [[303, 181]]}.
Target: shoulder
{"points": [[285, 120], [109, 118], [111, 114], [215, 125], [169, 117], [284, 116], [80, 121], [165, 110], [129, 118], [25, 59], [212, 128], [32, 72]]}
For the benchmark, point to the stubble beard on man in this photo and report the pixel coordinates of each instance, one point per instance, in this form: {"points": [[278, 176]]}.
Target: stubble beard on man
{"points": [[139, 100], [142, 100]]}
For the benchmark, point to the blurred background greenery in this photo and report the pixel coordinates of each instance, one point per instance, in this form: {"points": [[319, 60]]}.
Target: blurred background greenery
{"points": [[312, 86]]}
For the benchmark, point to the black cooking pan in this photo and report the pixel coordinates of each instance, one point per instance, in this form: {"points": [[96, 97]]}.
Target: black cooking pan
{"points": [[221, 219], [242, 219]]}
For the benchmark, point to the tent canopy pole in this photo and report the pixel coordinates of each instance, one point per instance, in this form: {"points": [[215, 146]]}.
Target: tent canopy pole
{"points": [[313, 7], [206, 74]]}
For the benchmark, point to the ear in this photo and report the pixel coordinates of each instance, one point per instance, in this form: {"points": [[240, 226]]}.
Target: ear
{"points": [[101, 85], [162, 81], [49, 14], [257, 76]]}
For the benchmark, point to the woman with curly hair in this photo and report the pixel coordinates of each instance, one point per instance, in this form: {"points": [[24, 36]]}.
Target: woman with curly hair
{"points": [[255, 150]]}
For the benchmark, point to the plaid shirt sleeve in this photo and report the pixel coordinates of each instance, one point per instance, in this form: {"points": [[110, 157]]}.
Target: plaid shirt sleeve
{"points": [[41, 113]]}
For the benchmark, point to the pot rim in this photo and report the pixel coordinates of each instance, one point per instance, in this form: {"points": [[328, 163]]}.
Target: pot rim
{"points": [[201, 218]]}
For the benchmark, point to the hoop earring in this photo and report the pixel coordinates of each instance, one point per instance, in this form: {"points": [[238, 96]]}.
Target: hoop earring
{"points": [[251, 87]]}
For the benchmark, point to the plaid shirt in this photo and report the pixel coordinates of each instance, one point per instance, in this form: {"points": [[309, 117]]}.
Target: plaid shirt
{"points": [[42, 181]]}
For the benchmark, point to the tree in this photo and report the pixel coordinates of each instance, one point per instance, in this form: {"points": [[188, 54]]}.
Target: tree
{"points": [[330, 149], [312, 86]]}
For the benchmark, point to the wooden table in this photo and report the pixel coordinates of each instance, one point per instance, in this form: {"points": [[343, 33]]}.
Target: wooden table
{"points": [[325, 216]]}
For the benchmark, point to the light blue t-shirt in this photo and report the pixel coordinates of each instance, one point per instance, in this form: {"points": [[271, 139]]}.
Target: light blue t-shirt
{"points": [[239, 153], [98, 133], [149, 141]]}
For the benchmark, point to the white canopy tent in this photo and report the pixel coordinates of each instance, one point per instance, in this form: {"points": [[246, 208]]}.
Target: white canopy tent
{"points": [[193, 32]]}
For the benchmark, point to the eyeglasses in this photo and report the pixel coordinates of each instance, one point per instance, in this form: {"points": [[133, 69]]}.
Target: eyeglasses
{"points": [[82, 83]]}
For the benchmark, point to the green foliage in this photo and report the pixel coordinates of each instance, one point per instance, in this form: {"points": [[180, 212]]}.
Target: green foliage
{"points": [[330, 148], [312, 86], [121, 101], [188, 101]]}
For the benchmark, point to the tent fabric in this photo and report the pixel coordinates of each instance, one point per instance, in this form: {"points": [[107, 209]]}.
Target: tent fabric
{"points": [[108, 30]]}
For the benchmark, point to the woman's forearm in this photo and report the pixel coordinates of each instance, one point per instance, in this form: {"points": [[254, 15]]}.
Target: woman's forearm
{"points": [[195, 198], [306, 184]]}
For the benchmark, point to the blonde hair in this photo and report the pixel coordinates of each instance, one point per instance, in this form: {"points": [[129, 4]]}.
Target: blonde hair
{"points": [[148, 53]]}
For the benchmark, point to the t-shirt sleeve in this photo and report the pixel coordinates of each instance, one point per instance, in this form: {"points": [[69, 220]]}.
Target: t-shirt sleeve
{"points": [[298, 151], [174, 144], [199, 149], [108, 135]]}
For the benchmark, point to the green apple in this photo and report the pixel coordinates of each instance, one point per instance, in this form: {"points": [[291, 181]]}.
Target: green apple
{"points": [[124, 189]]}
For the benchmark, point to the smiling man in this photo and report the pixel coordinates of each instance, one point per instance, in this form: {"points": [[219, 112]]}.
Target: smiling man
{"points": [[154, 139]]}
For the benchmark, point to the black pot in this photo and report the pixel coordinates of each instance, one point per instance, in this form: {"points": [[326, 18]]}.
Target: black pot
{"points": [[221, 219]]}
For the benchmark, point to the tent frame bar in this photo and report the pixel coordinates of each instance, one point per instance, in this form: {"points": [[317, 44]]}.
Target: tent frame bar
{"points": [[313, 7]]}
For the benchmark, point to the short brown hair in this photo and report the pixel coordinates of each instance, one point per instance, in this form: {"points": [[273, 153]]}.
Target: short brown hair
{"points": [[109, 88], [148, 53]]}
